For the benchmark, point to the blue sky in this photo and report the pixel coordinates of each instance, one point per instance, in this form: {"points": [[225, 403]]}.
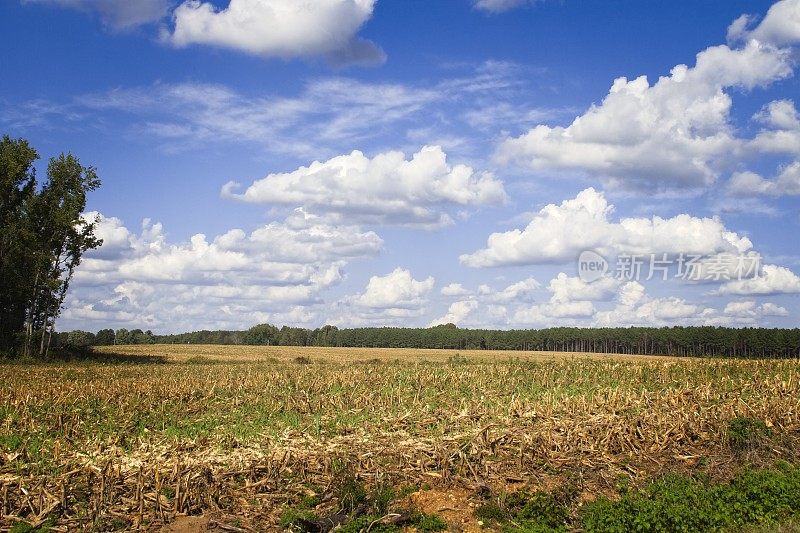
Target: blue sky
{"points": [[410, 163]]}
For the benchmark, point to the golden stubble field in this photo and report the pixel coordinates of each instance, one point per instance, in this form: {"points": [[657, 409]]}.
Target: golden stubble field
{"points": [[182, 352], [241, 433]]}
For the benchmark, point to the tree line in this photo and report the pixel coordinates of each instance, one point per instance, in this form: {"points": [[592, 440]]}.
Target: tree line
{"points": [[705, 341], [43, 235]]}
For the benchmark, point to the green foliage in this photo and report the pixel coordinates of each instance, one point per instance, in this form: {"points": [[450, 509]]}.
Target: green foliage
{"points": [[262, 334], [349, 491], [539, 511], [80, 339], [290, 516], [428, 522], [676, 503], [104, 337], [407, 490], [669, 504], [380, 498], [24, 527], [43, 235], [491, 512], [548, 510], [746, 433]]}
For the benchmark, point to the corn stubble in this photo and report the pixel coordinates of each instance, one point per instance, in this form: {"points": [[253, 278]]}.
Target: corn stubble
{"points": [[134, 445]]}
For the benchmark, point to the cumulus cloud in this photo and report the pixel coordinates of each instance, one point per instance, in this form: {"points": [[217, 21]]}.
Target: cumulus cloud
{"points": [[390, 300], [786, 183], [279, 28], [454, 289], [635, 307], [675, 133], [520, 291], [232, 280], [569, 289], [750, 308], [780, 114], [740, 313], [782, 132], [558, 233], [781, 25], [396, 290], [606, 302], [456, 313], [570, 298], [552, 313], [772, 279], [118, 14], [512, 305], [386, 189]]}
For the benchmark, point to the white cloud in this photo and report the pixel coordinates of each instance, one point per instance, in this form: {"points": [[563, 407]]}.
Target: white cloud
{"points": [[573, 299], [568, 289], [742, 313], [750, 308], [780, 26], [635, 308], [552, 313], [516, 292], [323, 118], [279, 28], [232, 280], [386, 189], [782, 134], [499, 6], [330, 111], [780, 114], [119, 14], [787, 182], [675, 133], [558, 233], [570, 298], [773, 279], [456, 313], [394, 299], [454, 289], [396, 290]]}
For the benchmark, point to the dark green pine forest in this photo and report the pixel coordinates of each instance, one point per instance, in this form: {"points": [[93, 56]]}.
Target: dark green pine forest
{"points": [[679, 341]]}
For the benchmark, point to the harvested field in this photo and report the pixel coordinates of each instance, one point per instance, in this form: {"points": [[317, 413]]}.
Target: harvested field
{"points": [[240, 434], [324, 354]]}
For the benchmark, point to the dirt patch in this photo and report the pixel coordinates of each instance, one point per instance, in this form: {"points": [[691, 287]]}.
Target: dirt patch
{"points": [[189, 524], [456, 506]]}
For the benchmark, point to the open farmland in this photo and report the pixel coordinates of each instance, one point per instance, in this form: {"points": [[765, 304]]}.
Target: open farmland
{"points": [[245, 436]]}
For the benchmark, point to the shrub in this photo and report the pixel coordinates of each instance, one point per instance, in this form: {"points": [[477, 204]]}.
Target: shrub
{"points": [[746, 433]]}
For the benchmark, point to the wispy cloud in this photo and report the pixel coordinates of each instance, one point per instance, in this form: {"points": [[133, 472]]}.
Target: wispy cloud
{"points": [[327, 117]]}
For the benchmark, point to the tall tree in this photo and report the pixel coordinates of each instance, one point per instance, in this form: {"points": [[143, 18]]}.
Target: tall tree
{"points": [[44, 235], [17, 187]]}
